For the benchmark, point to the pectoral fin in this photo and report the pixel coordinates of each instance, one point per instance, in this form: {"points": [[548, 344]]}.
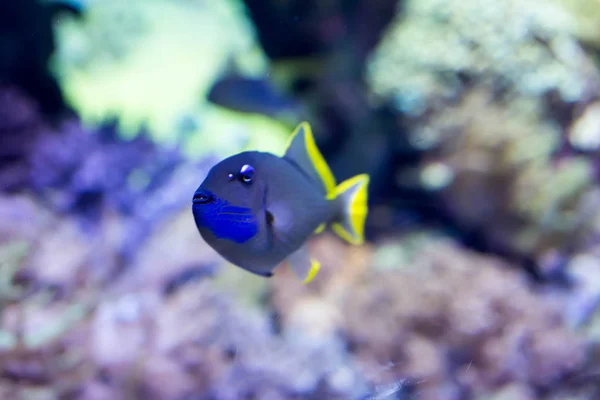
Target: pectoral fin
{"points": [[305, 267]]}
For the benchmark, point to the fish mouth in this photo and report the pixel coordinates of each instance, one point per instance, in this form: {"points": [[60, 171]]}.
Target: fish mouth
{"points": [[202, 197]]}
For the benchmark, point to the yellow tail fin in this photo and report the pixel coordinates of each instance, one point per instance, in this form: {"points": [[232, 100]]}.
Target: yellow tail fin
{"points": [[353, 197]]}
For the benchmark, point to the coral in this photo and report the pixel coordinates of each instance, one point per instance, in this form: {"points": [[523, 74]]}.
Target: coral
{"points": [[586, 14], [123, 189], [527, 201], [437, 46], [192, 343], [500, 98], [451, 321], [583, 132]]}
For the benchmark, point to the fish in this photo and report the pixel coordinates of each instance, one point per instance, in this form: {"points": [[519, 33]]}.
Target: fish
{"points": [[258, 209], [251, 96]]}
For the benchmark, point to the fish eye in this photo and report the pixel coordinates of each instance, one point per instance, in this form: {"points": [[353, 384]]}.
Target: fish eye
{"points": [[247, 173], [231, 177]]}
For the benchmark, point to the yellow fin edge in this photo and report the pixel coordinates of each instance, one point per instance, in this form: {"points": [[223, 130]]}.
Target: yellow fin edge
{"points": [[315, 155], [314, 269], [320, 228], [358, 209]]}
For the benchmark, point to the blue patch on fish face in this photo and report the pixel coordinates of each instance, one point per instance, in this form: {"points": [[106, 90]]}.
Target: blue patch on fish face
{"points": [[238, 224]]}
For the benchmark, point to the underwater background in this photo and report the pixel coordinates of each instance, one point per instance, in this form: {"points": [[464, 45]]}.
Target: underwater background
{"points": [[478, 122]]}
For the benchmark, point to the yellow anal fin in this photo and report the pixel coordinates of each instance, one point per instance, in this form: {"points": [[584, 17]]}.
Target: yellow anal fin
{"points": [[314, 269], [354, 196], [303, 151], [303, 265]]}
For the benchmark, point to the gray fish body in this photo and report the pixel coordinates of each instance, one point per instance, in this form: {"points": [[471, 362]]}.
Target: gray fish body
{"points": [[258, 210], [289, 206]]}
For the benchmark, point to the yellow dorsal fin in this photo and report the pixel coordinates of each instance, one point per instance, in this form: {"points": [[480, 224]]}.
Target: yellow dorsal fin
{"points": [[303, 151]]}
